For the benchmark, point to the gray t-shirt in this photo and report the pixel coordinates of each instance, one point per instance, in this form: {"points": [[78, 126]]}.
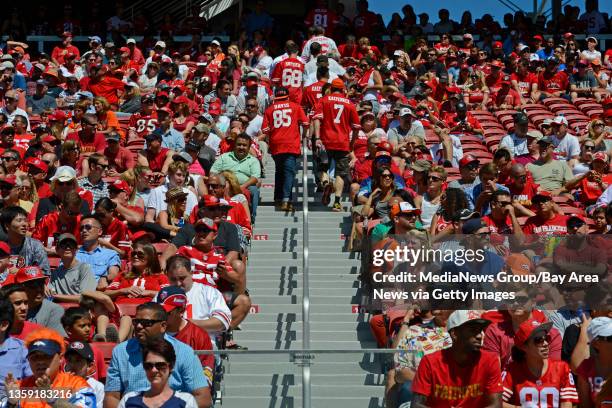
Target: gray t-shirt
{"points": [[398, 135], [72, 281], [49, 315]]}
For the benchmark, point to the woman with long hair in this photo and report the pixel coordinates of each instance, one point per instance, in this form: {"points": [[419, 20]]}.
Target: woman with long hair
{"points": [[139, 179], [74, 123], [174, 217], [534, 379], [148, 80], [370, 82], [445, 221], [130, 100], [383, 186], [107, 119], [234, 192], [476, 93], [184, 120], [71, 156], [598, 134], [144, 278], [115, 234]]}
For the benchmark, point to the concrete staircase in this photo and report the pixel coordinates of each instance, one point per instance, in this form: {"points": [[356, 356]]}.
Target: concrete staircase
{"points": [[275, 282]]}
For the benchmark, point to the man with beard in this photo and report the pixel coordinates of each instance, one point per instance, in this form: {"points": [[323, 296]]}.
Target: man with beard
{"points": [[462, 375]]}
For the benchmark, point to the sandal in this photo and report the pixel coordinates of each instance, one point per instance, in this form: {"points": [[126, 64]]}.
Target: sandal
{"points": [[337, 207], [327, 190]]}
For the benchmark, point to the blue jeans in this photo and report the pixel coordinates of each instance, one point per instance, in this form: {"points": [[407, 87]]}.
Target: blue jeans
{"points": [[284, 176], [405, 393], [254, 190]]}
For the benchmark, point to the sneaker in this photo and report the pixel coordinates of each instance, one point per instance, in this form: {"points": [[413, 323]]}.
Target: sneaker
{"points": [[337, 207], [278, 206], [99, 338], [327, 190], [286, 206]]}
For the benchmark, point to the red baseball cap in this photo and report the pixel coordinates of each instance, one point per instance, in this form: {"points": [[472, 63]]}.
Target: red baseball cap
{"points": [[161, 93], [568, 35], [172, 297], [541, 196], [10, 179], [497, 63], [69, 56], [164, 109], [210, 200], [529, 329], [37, 163], [181, 99], [602, 156], [453, 89], [120, 185], [207, 223], [258, 50], [497, 44], [66, 34], [467, 159], [214, 108], [384, 146], [337, 83], [538, 37], [57, 116], [49, 139], [138, 235], [123, 50], [251, 82], [29, 273], [506, 80]]}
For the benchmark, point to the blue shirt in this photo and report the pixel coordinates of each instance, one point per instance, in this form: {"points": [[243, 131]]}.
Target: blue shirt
{"points": [[126, 374], [100, 259], [173, 140], [486, 208], [13, 359]]}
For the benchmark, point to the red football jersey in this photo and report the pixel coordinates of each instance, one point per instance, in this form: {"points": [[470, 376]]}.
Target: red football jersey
{"points": [[338, 118], [588, 371], [204, 265], [282, 122], [549, 391], [289, 73], [143, 124], [555, 226], [48, 229], [117, 233], [446, 384], [198, 339], [146, 282], [322, 17], [552, 83], [525, 82], [312, 94]]}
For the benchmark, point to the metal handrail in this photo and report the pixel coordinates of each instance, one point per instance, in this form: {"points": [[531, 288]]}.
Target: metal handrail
{"points": [[305, 278], [304, 351]]}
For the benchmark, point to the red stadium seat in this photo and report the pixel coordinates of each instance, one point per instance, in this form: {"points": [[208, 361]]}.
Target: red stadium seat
{"points": [[551, 101], [568, 210], [106, 348], [127, 309], [67, 305], [470, 139], [481, 154], [505, 112], [471, 147]]}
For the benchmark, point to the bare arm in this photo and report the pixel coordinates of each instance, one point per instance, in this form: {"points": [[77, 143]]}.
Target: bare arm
{"points": [[212, 324], [203, 397], [111, 399], [168, 161]]}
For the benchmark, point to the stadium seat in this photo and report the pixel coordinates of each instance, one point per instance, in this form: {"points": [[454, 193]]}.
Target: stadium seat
{"points": [[470, 139], [66, 305], [481, 154], [551, 101], [106, 348], [127, 309]]}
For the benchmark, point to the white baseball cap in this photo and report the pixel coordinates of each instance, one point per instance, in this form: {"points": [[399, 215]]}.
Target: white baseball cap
{"points": [[130, 41], [599, 327], [406, 111], [461, 317], [64, 173], [160, 44], [560, 120], [215, 42]]}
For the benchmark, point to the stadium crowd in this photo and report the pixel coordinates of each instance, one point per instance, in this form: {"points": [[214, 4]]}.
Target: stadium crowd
{"points": [[131, 174]]}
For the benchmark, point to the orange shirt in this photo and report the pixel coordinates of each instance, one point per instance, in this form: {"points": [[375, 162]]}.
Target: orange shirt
{"points": [[65, 383]]}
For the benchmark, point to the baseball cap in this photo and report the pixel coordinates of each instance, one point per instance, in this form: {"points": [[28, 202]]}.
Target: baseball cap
{"points": [[29, 273], [211, 201], [534, 57], [497, 44], [114, 136], [601, 156], [473, 225], [382, 155], [467, 36], [607, 113], [541, 197], [519, 264], [406, 112], [591, 38], [575, 222], [37, 163], [215, 42], [66, 34], [120, 185], [160, 44], [172, 297], [467, 214], [599, 327], [529, 329], [95, 38], [64, 173], [467, 159], [47, 138], [67, 237], [202, 128], [506, 80], [124, 50], [568, 35], [497, 64], [460, 317], [6, 65], [281, 93], [553, 60], [84, 94], [5, 250], [404, 207], [559, 120], [538, 37], [10, 179], [582, 63], [421, 165], [205, 224], [250, 82], [182, 156], [82, 349], [337, 84], [109, 44], [257, 50], [57, 116], [175, 192], [521, 118], [384, 146], [130, 41], [536, 134], [546, 140], [45, 346]]}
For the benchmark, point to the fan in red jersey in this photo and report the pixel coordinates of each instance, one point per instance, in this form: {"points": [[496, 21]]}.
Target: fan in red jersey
{"points": [[462, 375], [144, 122], [532, 379], [289, 73], [323, 17], [282, 122], [313, 92]]}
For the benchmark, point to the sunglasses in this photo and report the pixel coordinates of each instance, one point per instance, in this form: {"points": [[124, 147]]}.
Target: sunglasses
{"points": [[503, 203], [598, 124], [408, 215], [138, 254], [67, 247], [386, 176], [146, 322], [541, 339], [520, 300], [86, 227], [521, 178], [213, 186], [64, 183], [588, 147], [160, 366], [103, 166], [251, 106], [10, 158], [9, 100], [434, 178], [472, 166], [72, 213]]}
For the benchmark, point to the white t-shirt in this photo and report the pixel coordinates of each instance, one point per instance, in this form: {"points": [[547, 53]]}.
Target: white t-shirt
{"points": [[590, 55], [205, 302], [98, 388], [437, 152], [264, 64], [190, 401], [254, 126], [516, 145], [328, 46], [566, 147], [157, 199]]}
